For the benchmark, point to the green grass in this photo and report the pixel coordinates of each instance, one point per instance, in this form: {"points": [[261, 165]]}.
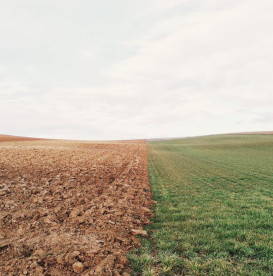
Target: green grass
{"points": [[214, 211]]}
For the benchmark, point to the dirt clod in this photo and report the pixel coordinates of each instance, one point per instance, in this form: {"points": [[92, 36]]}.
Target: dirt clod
{"points": [[139, 232], [78, 267]]}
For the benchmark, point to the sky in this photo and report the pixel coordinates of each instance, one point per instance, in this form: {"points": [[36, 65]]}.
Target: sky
{"points": [[124, 69]]}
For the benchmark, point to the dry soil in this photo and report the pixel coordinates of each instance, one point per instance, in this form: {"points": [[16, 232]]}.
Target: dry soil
{"points": [[71, 208]]}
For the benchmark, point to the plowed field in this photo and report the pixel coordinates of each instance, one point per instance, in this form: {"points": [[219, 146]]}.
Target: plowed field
{"points": [[71, 208]]}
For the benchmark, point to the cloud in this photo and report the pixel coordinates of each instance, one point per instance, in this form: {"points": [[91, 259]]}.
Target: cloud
{"points": [[162, 68]]}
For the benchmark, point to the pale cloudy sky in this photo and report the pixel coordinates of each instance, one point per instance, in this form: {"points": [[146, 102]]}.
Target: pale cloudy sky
{"points": [[135, 69]]}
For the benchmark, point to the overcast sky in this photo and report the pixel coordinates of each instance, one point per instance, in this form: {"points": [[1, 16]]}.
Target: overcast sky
{"points": [[135, 69]]}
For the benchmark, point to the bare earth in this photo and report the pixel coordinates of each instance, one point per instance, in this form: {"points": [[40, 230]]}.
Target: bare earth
{"points": [[71, 208], [8, 138]]}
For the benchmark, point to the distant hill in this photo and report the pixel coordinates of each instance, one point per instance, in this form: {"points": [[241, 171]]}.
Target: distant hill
{"points": [[7, 138], [256, 132], [235, 133]]}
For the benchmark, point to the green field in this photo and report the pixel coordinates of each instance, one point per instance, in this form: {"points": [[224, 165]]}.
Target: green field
{"points": [[214, 211]]}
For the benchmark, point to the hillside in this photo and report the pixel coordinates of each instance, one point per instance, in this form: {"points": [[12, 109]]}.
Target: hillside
{"points": [[9, 138], [214, 213]]}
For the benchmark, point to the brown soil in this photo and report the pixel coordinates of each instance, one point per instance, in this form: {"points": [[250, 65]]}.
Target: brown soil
{"points": [[71, 208], [8, 138]]}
